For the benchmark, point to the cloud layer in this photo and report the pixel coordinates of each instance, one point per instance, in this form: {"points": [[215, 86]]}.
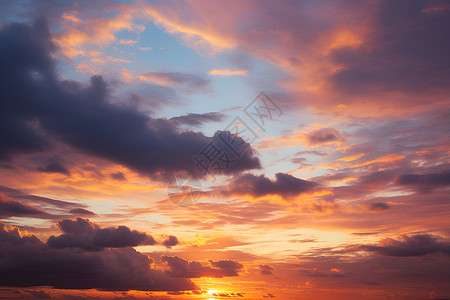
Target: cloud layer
{"points": [[37, 109], [25, 261]]}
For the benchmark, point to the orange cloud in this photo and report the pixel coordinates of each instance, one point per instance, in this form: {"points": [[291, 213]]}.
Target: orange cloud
{"points": [[79, 39], [228, 72], [127, 42], [110, 59]]}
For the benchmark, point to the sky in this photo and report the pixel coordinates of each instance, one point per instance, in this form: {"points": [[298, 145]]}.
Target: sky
{"points": [[224, 149]]}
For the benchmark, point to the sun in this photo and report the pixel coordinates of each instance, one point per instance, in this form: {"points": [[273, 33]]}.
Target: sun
{"points": [[212, 292]]}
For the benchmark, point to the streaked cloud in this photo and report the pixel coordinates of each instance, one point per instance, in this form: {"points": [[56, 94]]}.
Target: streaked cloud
{"points": [[228, 72]]}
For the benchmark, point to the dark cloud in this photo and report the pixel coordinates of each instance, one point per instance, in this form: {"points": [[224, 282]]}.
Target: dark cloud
{"points": [[379, 206], [269, 295], [78, 227], [84, 234], [54, 168], [34, 102], [13, 208], [227, 267], [118, 176], [198, 119], [23, 50], [323, 135], [284, 185], [266, 270], [170, 241], [181, 268], [25, 261], [408, 245], [425, 182], [82, 212], [38, 200]]}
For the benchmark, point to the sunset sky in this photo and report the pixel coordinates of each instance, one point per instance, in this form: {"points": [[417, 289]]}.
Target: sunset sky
{"points": [[225, 149]]}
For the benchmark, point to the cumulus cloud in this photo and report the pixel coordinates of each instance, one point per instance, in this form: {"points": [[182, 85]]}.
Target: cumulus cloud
{"points": [[25, 261], [87, 235], [34, 101], [170, 241], [181, 268]]}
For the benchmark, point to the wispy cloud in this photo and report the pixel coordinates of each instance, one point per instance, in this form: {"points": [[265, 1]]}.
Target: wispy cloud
{"points": [[228, 72]]}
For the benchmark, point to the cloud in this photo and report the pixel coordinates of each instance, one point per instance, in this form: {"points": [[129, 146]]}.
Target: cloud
{"points": [[401, 26], [31, 92], [269, 295], [323, 266], [127, 42], [378, 206], [14, 208], [309, 137], [323, 136], [87, 235], [407, 245], [338, 64], [198, 119], [82, 212], [340, 60], [228, 72], [43, 203], [170, 241], [425, 182], [54, 168], [181, 268], [79, 37], [175, 78], [118, 176], [284, 185], [266, 270], [25, 261]]}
